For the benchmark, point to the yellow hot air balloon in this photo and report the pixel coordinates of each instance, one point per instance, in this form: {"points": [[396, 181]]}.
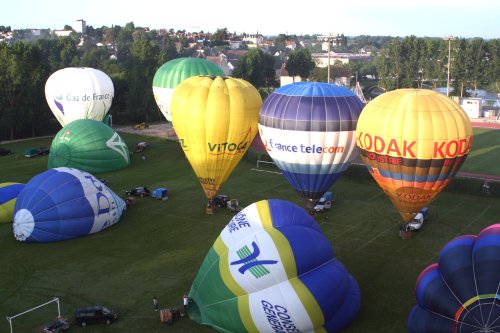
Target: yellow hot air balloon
{"points": [[216, 119], [413, 142]]}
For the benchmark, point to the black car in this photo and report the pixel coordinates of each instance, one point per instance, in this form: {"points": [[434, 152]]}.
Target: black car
{"points": [[57, 326], [96, 314], [138, 192], [5, 151], [221, 201]]}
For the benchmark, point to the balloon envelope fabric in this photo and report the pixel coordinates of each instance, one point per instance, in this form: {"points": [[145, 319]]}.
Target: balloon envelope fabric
{"points": [[272, 270], [89, 145], [173, 72], [309, 130], [413, 142], [8, 196], [460, 294], [64, 203]]}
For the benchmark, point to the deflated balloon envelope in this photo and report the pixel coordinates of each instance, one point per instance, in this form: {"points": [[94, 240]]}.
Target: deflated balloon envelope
{"points": [[272, 270], [309, 130], [88, 145], [461, 293], [64, 203], [8, 196]]}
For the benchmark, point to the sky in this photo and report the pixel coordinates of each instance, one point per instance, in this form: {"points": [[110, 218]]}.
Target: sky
{"points": [[422, 18]]}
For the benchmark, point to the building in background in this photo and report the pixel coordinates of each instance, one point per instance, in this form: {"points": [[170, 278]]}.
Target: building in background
{"points": [[80, 26]]}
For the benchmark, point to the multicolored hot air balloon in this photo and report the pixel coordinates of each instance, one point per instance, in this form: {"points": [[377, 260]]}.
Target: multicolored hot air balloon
{"points": [[88, 145], [173, 72], [272, 270], [64, 203], [413, 142], [79, 93], [461, 292], [308, 129], [216, 119], [8, 196]]}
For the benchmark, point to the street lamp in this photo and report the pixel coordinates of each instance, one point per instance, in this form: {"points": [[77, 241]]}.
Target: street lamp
{"points": [[449, 38]]}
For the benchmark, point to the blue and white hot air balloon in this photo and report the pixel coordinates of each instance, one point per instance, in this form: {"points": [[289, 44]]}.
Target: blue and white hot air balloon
{"points": [[309, 130], [64, 203], [272, 270]]}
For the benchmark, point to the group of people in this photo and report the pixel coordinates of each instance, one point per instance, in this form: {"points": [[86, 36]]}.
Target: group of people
{"points": [[185, 303]]}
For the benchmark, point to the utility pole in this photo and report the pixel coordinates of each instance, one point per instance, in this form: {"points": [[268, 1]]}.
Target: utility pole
{"points": [[329, 40], [449, 38]]}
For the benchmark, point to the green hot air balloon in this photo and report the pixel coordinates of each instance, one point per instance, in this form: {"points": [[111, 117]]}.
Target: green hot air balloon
{"points": [[173, 72], [88, 145]]}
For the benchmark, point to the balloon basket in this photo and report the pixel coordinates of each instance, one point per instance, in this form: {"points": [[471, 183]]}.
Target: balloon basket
{"points": [[210, 210], [405, 233]]}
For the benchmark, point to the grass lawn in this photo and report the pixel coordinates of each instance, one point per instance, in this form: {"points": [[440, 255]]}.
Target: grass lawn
{"points": [[158, 246]]}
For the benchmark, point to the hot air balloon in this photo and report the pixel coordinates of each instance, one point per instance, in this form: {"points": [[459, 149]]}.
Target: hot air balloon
{"points": [[79, 93], [88, 145], [64, 203], [216, 119], [413, 142], [272, 270], [8, 196], [173, 72], [461, 292], [308, 129]]}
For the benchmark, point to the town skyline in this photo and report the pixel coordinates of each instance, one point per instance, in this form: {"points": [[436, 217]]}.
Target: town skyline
{"points": [[425, 18]]}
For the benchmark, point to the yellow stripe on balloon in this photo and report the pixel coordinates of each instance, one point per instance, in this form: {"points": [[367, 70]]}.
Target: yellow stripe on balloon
{"points": [[288, 261]]}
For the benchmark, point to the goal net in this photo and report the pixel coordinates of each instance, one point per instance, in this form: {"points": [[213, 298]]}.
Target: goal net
{"points": [[266, 166], [54, 300]]}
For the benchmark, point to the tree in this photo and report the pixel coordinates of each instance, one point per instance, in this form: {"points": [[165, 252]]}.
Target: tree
{"points": [[257, 68], [300, 63]]}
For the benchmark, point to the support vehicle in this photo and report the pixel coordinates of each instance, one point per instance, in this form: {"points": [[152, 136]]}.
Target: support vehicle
{"points": [[96, 314], [419, 219], [324, 203]]}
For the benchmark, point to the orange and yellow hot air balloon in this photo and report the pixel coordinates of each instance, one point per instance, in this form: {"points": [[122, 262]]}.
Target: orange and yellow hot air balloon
{"points": [[216, 120], [413, 142]]}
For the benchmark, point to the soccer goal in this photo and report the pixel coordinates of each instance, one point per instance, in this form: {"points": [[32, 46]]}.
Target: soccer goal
{"points": [[267, 166], [55, 299]]}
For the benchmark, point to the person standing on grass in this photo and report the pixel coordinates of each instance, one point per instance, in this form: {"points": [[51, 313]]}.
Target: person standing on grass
{"points": [[155, 303], [185, 301]]}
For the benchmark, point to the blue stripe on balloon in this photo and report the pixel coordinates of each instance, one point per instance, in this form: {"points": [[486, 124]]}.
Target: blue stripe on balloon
{"points": [[416, 178], [10, 192], [311, 186]]}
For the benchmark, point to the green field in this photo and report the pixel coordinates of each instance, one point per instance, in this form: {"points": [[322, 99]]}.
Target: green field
{"points": [[158, 246]]}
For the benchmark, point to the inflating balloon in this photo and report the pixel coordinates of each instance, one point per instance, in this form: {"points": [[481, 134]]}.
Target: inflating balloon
{"points": [[216, 120], [272, 270], [461, 292], [173, 72], [79, 93], [88, 145], [308, 129], [64, 203], [8, 196], [413, 142]]}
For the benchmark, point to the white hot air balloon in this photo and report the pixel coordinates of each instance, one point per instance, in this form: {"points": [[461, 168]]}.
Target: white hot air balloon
{"points": [[79, 93]]}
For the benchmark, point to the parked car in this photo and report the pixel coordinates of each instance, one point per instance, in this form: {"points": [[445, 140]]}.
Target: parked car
{"points": [[221, 201], [31, 152], [5, 151], [59, 325], [138, 192], [96, 314]]}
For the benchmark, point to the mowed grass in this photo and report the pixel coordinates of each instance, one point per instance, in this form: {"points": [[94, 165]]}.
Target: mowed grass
{"points": [[158, 246]]}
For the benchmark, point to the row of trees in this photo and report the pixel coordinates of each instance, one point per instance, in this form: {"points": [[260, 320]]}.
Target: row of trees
{"points": [[423, 62], [136, 54]]}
